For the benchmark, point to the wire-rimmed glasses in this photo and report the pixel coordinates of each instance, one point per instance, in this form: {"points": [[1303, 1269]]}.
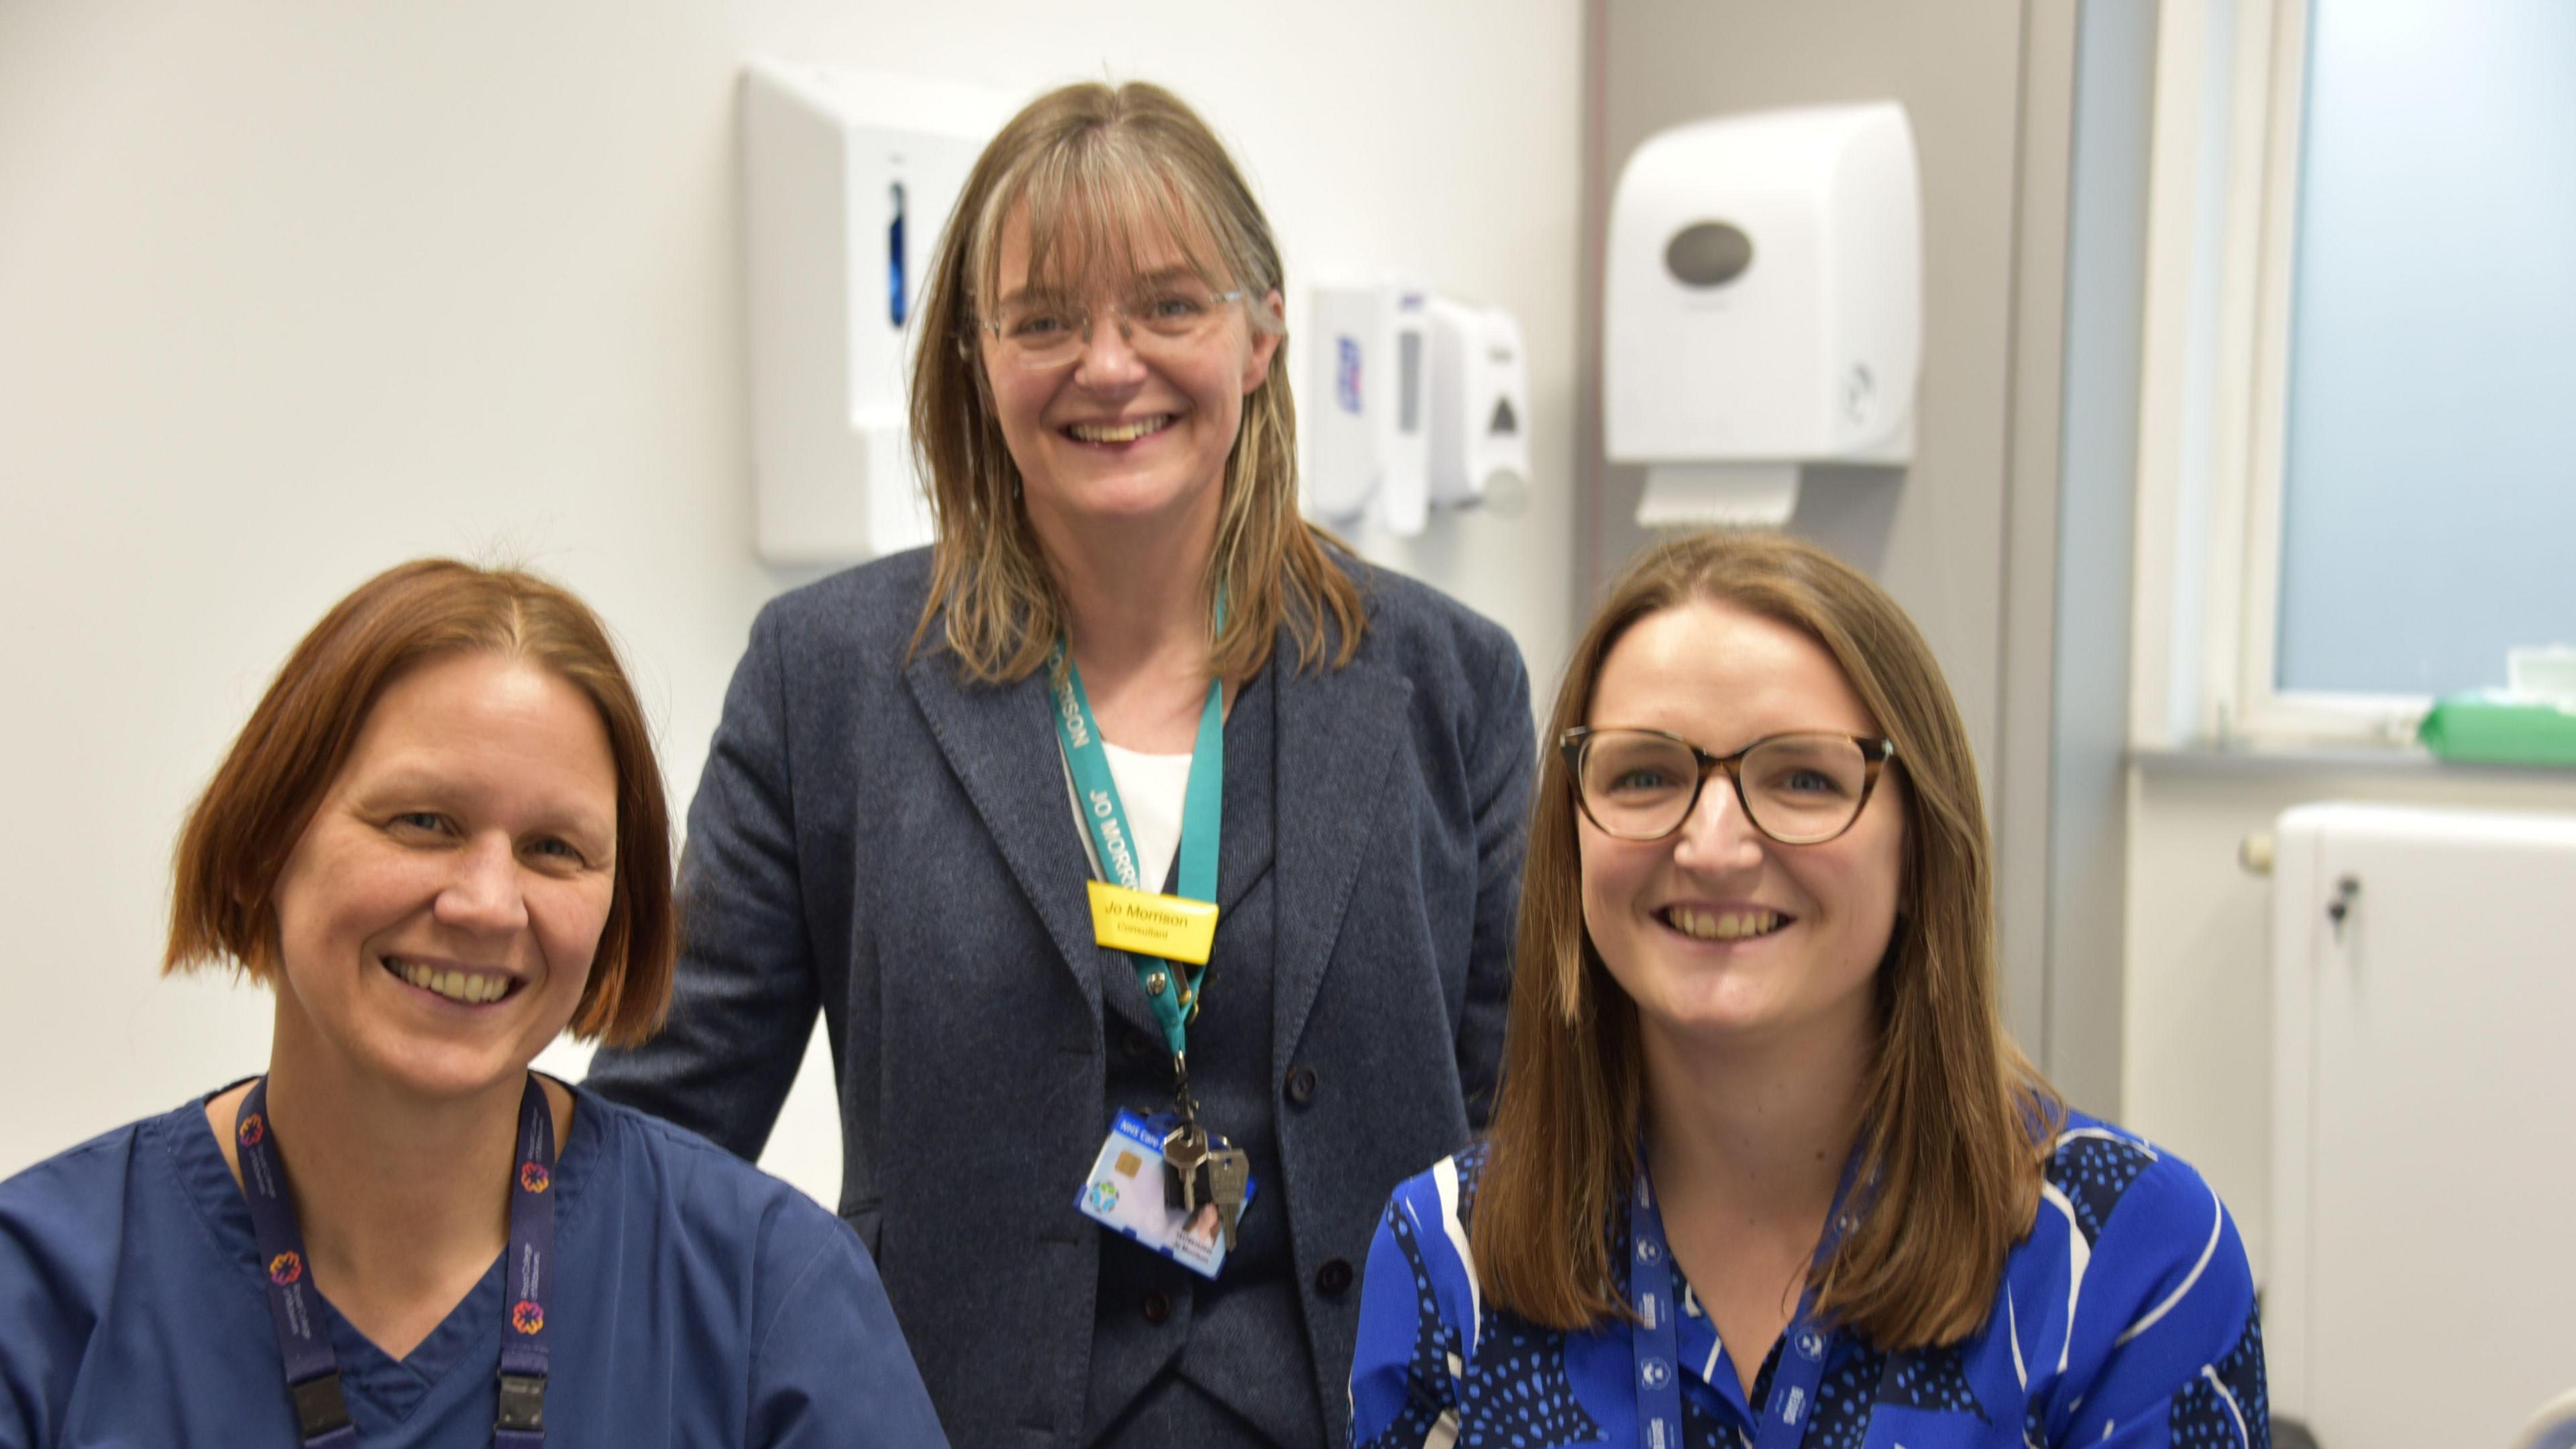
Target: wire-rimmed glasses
{"points": [[1167, 317], [1798, 789]]}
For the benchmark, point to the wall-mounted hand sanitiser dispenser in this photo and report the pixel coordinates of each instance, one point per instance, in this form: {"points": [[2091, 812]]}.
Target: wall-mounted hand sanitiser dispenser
{"points": [[1764, 307], [1415, 401], [848, 178], [1369, 397]]}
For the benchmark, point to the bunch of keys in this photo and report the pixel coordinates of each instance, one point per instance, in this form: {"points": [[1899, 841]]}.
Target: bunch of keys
{"points": [[1199, 1169], [1196, 1171]]}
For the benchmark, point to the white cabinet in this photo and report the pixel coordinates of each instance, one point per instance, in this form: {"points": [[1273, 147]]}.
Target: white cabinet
{"points": [[2423, 1273]]}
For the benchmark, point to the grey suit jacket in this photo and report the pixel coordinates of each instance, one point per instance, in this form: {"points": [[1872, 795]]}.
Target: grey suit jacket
{"points": [[878, 838]]}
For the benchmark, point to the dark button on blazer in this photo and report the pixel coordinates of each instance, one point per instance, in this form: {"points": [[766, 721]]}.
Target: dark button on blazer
{"points": [[877, 838]]}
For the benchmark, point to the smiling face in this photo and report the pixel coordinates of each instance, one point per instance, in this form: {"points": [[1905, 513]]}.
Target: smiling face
{"points": [[1719, 933], [1115, 431], [438, 917]]}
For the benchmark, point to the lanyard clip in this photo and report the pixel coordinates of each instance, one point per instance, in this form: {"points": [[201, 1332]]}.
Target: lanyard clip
{"points": [[1181, 1098], [319, 1407], [523, 1403]]}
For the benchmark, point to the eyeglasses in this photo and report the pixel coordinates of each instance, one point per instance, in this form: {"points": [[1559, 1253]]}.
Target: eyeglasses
{"points": [[1169, 319], [1799, 789]]}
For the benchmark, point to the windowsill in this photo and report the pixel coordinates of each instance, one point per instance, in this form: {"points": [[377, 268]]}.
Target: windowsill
{"points": [[2409, 761]]}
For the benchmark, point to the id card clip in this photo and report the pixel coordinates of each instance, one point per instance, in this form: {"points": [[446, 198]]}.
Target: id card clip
{"points": [[1126, 1193]]}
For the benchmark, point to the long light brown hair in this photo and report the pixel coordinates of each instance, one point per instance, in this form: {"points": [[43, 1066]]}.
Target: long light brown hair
{"points": [[234, 848], [1956, 1122], [1093, 169]]}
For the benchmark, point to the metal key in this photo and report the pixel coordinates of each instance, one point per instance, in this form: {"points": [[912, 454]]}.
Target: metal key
{"points": [[1185, 1159], [1229, 1171]]}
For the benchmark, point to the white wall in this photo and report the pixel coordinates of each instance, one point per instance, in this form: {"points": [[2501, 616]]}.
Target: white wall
{"points": [[291, 292]]}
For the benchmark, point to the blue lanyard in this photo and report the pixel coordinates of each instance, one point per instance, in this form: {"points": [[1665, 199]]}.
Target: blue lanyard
{"points": [[1202, 822], [1781, 1418], [304, 1340]]}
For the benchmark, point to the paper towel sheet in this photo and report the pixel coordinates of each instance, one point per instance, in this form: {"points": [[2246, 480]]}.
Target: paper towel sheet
{"points": [[1735, 495]]}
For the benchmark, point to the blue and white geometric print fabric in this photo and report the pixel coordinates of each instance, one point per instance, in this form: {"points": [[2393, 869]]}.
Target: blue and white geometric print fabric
{"points": [[2126, 1318]]}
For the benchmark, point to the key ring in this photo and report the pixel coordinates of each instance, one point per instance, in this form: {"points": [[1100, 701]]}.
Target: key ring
{"points": [[1181, 1098]]}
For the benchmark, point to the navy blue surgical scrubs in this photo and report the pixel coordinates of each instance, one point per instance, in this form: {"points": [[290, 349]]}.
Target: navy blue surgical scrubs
{"points": [[695, 1302]]}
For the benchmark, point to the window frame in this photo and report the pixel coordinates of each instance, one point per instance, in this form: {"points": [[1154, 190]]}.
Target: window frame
{"points": [[2230, 91]]}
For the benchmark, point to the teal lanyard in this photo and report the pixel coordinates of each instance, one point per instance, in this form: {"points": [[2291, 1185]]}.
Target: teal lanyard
{"points": [[1202, 821]]}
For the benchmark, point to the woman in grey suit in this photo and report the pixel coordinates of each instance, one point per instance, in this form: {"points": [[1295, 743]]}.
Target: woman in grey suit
{"points": [[1125, 661]]}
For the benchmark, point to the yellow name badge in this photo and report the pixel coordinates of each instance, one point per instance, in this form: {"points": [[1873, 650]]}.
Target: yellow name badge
{"points": [[1151, 925]]}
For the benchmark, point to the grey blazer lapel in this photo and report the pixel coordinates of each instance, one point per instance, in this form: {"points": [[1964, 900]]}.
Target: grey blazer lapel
{"points": [[1338, 733], [1000, 743]]}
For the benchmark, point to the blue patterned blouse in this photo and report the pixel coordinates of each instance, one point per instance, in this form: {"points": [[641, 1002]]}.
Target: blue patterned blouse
{"points": [[2126, 1319]]}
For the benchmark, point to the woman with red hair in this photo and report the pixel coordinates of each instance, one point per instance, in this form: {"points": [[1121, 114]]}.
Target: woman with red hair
{"points": [[441, 842]]}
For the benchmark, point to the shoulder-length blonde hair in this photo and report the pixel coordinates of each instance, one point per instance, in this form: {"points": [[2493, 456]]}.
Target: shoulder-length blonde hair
{"points": [[1956, 1122], [1094, 169]]}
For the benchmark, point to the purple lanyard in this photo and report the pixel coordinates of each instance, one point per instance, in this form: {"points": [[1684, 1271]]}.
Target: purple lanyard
{"points": [[304, 1340], [1782, 1418]]}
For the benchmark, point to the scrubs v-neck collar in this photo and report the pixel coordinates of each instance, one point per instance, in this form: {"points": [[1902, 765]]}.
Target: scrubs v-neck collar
{"points": [[470, 1333]]}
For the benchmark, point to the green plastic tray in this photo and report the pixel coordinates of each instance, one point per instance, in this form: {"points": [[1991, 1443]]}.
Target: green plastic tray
{"points": [[2499, 732]]}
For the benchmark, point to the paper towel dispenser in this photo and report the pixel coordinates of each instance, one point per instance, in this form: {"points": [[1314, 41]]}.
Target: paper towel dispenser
{"points": [[1763, 307], [848, 177]]}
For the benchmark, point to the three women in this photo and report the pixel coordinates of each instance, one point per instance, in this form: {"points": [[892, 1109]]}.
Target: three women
{"points": [[1764, 1167]]}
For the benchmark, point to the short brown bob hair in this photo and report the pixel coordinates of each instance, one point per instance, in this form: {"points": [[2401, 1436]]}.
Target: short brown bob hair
{"points": [[1093, 169], [242, 830], [1956, 1123]]}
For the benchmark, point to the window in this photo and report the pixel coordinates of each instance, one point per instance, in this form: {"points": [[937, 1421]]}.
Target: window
{"points": [[2361, 361]]}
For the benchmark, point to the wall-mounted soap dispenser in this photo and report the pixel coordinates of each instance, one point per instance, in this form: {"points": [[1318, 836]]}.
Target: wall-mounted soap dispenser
{"points": [[1763, 308], [1479, 402], [848, 178]]}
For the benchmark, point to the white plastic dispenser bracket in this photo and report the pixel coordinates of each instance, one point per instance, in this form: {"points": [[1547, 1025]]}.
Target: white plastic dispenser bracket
{"points": [[848, 179], [1763, 308]]}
